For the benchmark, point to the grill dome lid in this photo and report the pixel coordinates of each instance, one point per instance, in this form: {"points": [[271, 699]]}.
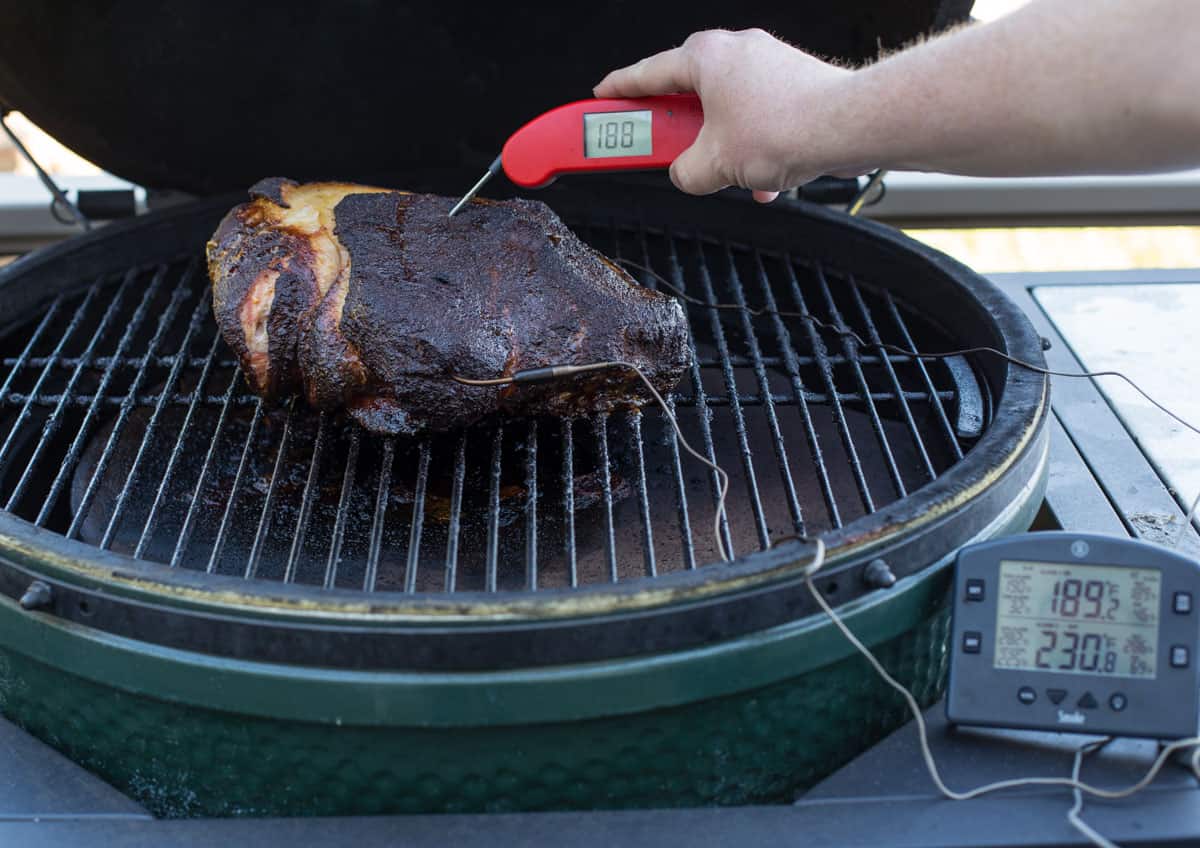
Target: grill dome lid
{"points": [[209, 97]]}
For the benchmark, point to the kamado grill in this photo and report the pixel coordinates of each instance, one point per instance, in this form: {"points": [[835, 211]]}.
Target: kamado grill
{"points": [[228, 607]]}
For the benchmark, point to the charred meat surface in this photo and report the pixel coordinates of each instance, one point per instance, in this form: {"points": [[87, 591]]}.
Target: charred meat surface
{"points": [[373, 300]]}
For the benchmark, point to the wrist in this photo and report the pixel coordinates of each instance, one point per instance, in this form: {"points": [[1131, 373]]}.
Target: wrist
{"points": [[833, 128]]}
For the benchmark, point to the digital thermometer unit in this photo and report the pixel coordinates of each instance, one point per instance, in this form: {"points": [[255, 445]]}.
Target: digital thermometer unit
{"points": [[600, 135], [1074, 632]]}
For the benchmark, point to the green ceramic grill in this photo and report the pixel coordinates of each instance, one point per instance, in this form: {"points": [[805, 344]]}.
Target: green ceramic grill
{"points": [[227, 607]]}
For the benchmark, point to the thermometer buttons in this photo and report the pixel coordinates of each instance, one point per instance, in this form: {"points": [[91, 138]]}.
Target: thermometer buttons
{"points": [[1180, 656]]}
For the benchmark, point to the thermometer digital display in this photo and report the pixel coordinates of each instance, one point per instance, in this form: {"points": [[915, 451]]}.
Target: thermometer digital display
{"points": [[1078, 619], [1076, 632], [607, 134]]}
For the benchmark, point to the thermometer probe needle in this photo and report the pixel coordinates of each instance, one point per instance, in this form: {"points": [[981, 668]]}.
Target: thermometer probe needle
{"points": [[492, 170]]}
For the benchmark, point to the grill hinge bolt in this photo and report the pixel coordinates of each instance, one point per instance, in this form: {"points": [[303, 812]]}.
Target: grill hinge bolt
{"points": [[1046, 343], [38, 595], [879, 575]]}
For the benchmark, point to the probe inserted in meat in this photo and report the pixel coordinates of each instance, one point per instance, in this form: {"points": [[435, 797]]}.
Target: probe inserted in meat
{"points": [[375, 300]]}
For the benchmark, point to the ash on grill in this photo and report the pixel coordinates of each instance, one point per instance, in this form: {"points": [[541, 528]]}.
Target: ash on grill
{"points": [[138, 435]]}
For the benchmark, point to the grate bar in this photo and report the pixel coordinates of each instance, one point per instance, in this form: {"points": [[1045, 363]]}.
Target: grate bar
{"points": [[701, 399], [50, 428], [189, 520], [49, 391], [826, 369], [218, 548], [635, 423], [200, 312], [893, 378], [246, 401], [764, 388], [371, 575], [268, 507], [851, 348], [493, 539], [343, 510], [311, 482], [20, 363], [418, 520], [169, 360], [934, 396], [685, 526], [456, 499], [739, 420], [531, 503], [127, 406], [784, 338], [176, 452], [651, 562], [568, 481], [600, 429], [26, 409]]}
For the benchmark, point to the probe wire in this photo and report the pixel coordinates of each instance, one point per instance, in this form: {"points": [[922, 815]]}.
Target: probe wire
{"points": [[1186, 521], [845, 332], [559, 371], [815, 565], [1078, 787], [1073, 815], [720, 514]]}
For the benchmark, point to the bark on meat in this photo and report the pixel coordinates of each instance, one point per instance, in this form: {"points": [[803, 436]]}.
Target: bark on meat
{"points": [[372, 299]]}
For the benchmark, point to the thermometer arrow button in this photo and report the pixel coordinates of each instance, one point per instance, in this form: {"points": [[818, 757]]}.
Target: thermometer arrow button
{"points": [[1056, 695], [1087, 701]]}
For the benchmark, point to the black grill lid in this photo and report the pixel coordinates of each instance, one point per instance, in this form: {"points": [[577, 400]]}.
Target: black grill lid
{"points": [[208, 97]]}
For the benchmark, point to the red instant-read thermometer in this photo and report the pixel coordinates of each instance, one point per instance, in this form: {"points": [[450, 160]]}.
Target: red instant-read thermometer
{"points": [[597, 135]]}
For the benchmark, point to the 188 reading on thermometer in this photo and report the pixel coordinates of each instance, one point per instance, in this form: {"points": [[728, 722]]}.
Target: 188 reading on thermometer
{"points": [[617, 134], [1078, 619]]}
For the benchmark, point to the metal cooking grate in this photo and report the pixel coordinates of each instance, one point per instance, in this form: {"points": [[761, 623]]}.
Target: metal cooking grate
{"points": [[126, 424]]}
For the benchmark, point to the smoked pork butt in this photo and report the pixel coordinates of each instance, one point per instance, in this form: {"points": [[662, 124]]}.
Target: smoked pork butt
{"points": [[373, 300]]}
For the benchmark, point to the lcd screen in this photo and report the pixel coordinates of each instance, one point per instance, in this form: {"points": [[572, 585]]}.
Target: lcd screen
{"points": [[1078, 619], [608, 134]]}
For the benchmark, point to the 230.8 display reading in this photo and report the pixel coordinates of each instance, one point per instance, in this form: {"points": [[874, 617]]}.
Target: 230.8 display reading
{"points": [[1078, 619]]}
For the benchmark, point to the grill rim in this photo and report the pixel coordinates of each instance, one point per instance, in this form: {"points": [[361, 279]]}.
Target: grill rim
{"points": [[1014, 428], [517, 696]]}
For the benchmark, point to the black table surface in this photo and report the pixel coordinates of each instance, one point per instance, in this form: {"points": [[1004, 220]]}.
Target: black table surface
{"points": [[883, 798]]}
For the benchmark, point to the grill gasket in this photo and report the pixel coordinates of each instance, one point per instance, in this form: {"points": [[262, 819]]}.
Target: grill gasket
{"points": [[768, 563]]}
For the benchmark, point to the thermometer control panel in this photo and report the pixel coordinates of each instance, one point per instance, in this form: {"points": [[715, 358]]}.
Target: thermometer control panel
{"points": [[1074, 632]]}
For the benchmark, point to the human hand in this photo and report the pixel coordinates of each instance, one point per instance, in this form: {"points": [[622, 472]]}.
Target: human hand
{"points": [[766, 108]]}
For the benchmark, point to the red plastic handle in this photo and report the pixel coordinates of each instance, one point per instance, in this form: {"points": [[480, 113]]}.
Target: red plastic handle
{"points": [[553, 143]]}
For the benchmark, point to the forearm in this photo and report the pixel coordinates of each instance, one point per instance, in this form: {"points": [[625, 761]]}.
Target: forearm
{"points": [[1061, 86]]}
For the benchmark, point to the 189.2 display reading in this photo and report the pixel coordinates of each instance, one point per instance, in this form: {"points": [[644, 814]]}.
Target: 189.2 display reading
{"points": [[1078, 619], [608, 134]]}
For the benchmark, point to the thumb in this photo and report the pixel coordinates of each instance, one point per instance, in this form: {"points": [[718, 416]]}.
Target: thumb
{"points": [[696, 170]]}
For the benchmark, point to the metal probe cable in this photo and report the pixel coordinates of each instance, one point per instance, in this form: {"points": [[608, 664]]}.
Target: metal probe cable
{"points": [[555, 372], [1073, 814], [845, 332], [931, 766], [818, 559]]}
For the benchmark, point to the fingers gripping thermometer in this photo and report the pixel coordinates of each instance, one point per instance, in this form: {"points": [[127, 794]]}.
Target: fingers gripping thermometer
{"points": [[597, 135]]}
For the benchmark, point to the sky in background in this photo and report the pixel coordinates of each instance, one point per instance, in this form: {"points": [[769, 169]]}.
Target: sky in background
{"points": [[989, 10]]}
